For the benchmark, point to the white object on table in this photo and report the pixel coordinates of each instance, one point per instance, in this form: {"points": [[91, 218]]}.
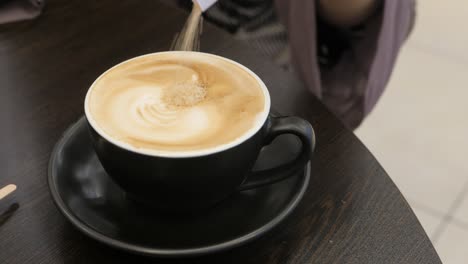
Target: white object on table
{"points": [[7, 190], [204, 4]]}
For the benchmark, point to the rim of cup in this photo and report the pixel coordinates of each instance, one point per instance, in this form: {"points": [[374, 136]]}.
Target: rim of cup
{"points": [[260, 120]]}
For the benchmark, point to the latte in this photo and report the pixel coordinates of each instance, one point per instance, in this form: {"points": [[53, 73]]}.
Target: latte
{"points": [[177, 101]]}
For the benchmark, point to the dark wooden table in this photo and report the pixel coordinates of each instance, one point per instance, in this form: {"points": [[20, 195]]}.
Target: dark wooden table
{"points": [[352, 212]]}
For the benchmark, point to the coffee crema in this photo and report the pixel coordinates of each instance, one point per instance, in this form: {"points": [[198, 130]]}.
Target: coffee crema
{"points": [[176, 101]]}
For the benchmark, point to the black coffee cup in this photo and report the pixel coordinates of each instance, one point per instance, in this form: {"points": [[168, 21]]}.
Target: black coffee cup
{"points": [[191, 181]]}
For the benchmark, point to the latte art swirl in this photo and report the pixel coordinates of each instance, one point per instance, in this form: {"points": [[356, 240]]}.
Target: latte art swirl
{"points": [[144, 117], [150, 111], [169, 102]]}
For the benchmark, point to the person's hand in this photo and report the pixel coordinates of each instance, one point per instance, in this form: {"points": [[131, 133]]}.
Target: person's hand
{"points": [[346, 13]]}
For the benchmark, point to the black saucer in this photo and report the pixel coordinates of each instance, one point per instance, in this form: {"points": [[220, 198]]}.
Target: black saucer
{"points": [[87, 197]]}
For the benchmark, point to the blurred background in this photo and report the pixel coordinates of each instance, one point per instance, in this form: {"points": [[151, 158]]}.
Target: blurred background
{"points": [[419, 129]]}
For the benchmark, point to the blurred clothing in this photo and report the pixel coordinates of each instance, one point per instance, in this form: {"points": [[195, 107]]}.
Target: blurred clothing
{"points": [[353, 82], [17, 10], [347, 69]]}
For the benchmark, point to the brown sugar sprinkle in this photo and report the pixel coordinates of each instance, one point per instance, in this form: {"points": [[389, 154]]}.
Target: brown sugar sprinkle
{"points": [[184, 95]]}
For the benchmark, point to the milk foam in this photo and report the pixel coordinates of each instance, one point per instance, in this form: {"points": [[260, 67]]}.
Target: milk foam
{"points": [[141, 114], [176, 101]]}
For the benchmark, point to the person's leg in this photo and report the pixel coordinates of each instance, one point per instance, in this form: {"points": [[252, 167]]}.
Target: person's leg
{"points": [[347, 13]]}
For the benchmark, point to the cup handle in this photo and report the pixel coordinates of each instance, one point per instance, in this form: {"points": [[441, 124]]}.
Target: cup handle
{"points": [[278, 126]]}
